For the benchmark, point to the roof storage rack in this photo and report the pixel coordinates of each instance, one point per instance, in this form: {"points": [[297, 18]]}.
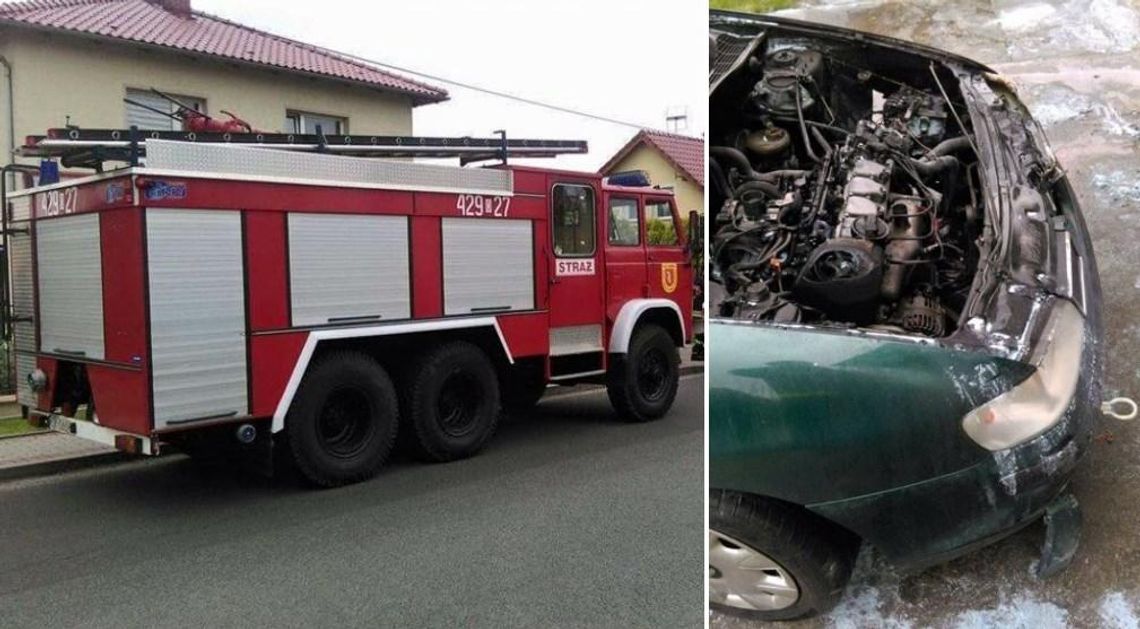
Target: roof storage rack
{"points": [[90, 148]]}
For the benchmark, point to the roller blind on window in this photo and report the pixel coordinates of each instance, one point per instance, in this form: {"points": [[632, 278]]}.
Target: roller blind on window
{"points": [[145, 118]]}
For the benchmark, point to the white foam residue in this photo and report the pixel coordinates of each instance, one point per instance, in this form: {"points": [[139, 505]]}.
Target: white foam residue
{"points": [[1118, 22], [1052, 104], [1019, 612], [1115, 123], [1041, 29], [1120, 185], [1116, 612], [1025, 16], [862, 608], [1007, 469]]}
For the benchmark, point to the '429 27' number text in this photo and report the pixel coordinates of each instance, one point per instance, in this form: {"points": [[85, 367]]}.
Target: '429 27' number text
{"points": [[477, 205]]}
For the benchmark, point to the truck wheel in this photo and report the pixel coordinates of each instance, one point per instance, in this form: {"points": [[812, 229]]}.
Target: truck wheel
{"points": [[769, 562], [642, 383], [343, 421], [453, 403]]}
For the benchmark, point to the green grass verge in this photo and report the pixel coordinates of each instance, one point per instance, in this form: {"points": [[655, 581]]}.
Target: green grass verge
{"points": [[752, 6], [15, 426]]}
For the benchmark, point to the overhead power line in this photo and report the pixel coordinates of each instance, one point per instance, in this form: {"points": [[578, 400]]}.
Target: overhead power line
{"points": [[484, 90]]}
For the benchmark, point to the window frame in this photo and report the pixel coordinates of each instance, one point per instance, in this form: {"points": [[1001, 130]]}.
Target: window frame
{"points": [[299, 114], [637, 219], [674, 218], [554, 224]]}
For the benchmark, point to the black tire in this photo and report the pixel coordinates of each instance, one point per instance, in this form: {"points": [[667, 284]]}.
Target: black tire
{"points": [[817, 557], [453, 402], [343, 421], [642, 383]]}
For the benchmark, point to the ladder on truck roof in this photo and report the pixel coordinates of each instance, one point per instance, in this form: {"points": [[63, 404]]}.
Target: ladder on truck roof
{"points": [[90, 148]]}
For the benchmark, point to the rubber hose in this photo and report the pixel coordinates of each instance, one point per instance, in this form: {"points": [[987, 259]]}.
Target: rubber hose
{"points": [[952, 145], [736, 157]]}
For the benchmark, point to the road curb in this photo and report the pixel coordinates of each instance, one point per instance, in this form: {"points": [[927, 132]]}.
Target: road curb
{"points": [[59, 466]]}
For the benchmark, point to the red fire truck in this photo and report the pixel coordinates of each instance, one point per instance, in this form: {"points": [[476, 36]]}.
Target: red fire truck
{"points": [[294, 295]]}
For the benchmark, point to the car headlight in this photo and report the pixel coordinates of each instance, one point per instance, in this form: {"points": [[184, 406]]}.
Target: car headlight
{"points": [[1037, 403]]}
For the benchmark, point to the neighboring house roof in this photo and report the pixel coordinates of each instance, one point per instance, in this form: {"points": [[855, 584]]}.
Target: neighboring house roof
{"points": [[173, 24], [686, 154]]}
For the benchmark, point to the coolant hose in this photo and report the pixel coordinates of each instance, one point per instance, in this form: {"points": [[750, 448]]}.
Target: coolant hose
{"points": [[768, 189], [736, 157], [720, 182], [953, 145], [930, 165]]}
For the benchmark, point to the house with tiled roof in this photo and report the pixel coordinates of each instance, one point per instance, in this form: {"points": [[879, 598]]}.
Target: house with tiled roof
{"points": [[78, 62], [672, 161]]}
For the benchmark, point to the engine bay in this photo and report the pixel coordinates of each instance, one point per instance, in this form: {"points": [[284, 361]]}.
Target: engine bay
{"points": [[844, 186]]}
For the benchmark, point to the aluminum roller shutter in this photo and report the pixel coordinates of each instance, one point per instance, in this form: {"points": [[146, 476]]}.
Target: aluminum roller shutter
{"points": [[488, 265], [197, 314], [70, 273], [347, 268]]}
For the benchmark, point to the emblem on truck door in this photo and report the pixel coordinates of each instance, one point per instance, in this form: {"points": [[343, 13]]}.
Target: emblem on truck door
{"points": [[669, 276]]}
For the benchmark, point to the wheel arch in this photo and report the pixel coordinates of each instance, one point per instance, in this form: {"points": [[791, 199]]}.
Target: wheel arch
{"points": [[836, 531], [636, 312], [384, 344]]}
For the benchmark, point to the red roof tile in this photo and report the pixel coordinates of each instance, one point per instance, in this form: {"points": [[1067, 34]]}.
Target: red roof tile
{"points": [[148, 23], [687, 154]]}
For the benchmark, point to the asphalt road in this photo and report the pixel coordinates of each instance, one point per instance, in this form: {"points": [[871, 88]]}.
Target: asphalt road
{"points": [[569, 518], [1075, 63]]}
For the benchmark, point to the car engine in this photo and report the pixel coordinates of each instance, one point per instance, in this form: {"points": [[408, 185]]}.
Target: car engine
{"points": [[845, 189]]}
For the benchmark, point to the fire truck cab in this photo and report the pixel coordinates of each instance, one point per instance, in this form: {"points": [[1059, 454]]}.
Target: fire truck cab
{"points": [[319, 306]]}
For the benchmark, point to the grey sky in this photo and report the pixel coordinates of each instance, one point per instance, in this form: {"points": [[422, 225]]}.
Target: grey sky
{"points": [[624, 59]]}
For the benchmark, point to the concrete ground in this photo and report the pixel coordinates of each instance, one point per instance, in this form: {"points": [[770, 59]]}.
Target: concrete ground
{"points": [[1078, 67], [569, 518]]}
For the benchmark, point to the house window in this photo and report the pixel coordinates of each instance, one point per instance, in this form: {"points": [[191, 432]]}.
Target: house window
{"points": [[301, 122], [660, 228], [624, 229], [153, 112], [573, 219]]}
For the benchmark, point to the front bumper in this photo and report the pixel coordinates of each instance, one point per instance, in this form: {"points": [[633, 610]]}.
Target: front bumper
{"points": [[931, 522]]}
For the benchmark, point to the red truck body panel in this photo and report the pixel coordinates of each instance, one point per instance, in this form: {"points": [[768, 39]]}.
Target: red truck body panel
{"points": [[578, 294]]}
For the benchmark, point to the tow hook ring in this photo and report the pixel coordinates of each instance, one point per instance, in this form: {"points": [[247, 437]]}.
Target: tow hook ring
{"points": [[1109, 408]]}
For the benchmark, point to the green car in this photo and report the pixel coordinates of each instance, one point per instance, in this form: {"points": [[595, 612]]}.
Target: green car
{"points": [[905, 338]]}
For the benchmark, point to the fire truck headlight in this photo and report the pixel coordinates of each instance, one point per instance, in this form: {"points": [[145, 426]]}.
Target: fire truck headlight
{"points": [[37, 380], [1036, 404]]}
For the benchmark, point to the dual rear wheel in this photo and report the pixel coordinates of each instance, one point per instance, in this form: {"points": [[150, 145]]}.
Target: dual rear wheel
{"points": [[346, 416]]}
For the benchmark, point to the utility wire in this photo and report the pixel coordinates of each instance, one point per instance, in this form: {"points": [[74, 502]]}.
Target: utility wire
{"points": [[476, 88]]}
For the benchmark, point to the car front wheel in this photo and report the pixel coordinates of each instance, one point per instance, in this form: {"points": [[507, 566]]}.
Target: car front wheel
{"points": [[768, 561]]}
